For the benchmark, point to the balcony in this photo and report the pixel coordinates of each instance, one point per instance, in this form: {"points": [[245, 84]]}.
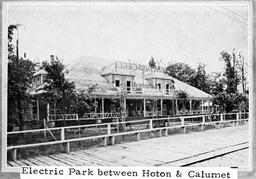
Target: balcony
{"points": [[131, 90], [145, 91]]}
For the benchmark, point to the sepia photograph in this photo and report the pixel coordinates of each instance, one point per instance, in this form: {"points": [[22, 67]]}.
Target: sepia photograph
{"points": [[131, 84]]}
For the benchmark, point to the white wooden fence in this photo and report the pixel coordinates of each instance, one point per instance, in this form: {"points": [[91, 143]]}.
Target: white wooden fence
{"points": [[108, 131]]}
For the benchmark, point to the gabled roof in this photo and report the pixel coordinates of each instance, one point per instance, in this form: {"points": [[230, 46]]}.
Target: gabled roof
{"points": [[191, 91], [112, 69], [157, 75], [86, 74], [40, 72]]}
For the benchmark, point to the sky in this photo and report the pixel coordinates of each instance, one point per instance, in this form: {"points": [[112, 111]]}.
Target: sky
{"points": [[132, 32]]}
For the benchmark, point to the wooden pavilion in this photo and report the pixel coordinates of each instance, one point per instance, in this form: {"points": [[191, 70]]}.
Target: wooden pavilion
{"points": [[139, 86]]}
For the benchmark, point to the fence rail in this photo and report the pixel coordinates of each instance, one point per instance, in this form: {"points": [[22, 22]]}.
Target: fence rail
{"points": [[108, 131]]}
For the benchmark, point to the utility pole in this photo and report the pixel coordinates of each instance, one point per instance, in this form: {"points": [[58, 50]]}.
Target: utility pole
{"points": [[17, 41], [19, 94]]}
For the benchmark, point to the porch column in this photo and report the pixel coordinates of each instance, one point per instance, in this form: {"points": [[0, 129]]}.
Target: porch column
{"points": [[176, 104], [161, 107], [125, 105], [173, 107], [143, 77], [37, 108], [202, 107], [95, 108], [48, 111], [144, 107], [102, 107], [208, 106], [190, 106]]}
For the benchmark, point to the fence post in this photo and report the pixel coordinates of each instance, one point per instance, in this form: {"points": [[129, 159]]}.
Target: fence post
{"points": [[62, 133], [150, 124], [105, 142], [203, 123], [221, 120], [182, 121], [14, 154], [137, 136], [109, 129], [160, 132], [183, 124], [45, 130], [165, 132], [111, 139], [67, 147], [237, 118]]}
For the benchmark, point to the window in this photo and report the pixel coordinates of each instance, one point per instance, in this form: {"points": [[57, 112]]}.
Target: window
{"points": [[117, 83], [128, 84], [44, 79], [34, 82], [167, 88], [159, 85], [38, 78]]}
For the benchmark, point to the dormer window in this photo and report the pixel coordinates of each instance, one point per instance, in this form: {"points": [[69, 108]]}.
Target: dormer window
{"points": [[159, 86], [117, 83], [167, 88], [44, 79]]}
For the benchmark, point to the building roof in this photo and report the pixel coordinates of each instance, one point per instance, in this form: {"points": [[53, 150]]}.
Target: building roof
{"points": [[112, 69], [88, 73], [158, 75], [85, 74], [40, 72], [191, 91]]}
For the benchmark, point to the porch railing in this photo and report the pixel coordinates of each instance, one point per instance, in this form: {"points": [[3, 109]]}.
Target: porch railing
{"points": [[60, 117], [191, 112], [101, 115], [152, 113]]}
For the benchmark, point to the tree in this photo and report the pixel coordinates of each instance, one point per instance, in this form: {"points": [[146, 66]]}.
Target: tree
{"points": [[20, 73], [152, 63], [59, 89], [216, 83], [230, 99], [230, 71], [229, 102], [241, 68], [182, 72], [182, 96], [84, 102], [201, 78]]}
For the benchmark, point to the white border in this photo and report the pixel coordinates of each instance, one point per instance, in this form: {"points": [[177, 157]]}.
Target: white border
{"points": [[243, 172]]}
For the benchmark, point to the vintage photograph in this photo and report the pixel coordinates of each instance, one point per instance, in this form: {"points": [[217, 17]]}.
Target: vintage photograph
{"points": [[128, 84]]}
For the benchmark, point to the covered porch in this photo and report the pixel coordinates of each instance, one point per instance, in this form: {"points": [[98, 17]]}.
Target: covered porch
{"points": [[148, 107]]}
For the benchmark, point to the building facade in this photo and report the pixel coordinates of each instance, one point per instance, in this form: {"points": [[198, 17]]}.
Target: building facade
{"points": [[140, 90]]}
